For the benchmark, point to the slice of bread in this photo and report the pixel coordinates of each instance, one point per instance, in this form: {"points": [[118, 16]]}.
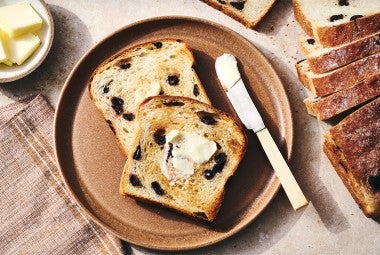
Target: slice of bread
{"points": [[332, 105], [335, 22], [247, 12], [323, 59], [338, 79], [150, 162], [123, 81], [353, 148]]}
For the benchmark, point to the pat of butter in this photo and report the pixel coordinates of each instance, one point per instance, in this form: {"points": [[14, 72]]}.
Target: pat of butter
{"points": [[3, 50], [22, 47], [19, 19], [144, 91], [187, 149], [227, 70]]}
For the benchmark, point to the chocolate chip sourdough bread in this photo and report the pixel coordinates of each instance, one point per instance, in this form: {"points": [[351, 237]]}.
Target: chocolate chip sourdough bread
{"points": [[331, 105], [340, 78], [123, 81], [335, 22], [184, 153], [323, 59], [248, 12], [353, 147]]}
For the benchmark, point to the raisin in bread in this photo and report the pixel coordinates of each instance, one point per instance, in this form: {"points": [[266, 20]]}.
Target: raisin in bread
{"points": [[330, 106], [335, 22], [247, 12], [174, 133], [323, 59], [353, 148], [340, 78], [119, 85]]}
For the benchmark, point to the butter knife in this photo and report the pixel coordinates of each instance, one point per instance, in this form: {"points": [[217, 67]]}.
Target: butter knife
{"points": [[229, 77]]}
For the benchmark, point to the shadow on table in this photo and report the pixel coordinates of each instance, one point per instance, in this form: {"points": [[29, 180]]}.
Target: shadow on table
{"points": [[71, 40]]}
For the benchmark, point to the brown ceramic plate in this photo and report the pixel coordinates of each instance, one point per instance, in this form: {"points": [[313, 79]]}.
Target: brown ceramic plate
{"points": [[91, 162]]}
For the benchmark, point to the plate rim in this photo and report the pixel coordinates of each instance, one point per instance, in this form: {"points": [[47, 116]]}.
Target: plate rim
{"points": [[288, 129]]}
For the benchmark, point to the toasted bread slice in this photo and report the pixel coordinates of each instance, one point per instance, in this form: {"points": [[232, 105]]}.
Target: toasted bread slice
{"points": [[353, 148], [123, 81], [151, 173]]}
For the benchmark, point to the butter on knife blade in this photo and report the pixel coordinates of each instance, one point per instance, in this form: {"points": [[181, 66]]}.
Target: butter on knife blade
{"points": [[229, 76]]}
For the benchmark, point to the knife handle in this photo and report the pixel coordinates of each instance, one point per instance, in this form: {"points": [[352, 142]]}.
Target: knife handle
{"points": [[281, 168]]}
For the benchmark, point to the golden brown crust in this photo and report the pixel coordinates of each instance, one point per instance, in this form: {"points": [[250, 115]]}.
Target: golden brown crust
{"points": [[338, 79], [329, 106], [302, 19], [347, 32], [344, 55], [354, 150]]}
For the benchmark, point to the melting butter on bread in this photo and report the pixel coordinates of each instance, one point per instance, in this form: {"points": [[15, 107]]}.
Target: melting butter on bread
{"points": [[184, 154], [123, 81]]}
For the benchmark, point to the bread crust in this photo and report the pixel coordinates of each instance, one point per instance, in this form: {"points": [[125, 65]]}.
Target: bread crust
{"points": [[334, 35], [353, 148], [330, 106], [338, 79], [302, 20], [238, 15], [234, 148], [335, 57]]}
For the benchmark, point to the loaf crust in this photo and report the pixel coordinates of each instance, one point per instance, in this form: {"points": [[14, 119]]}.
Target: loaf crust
{"points": [[338, 79], [332, 105], [197, 196], [252, 13], [322, 59], [333, 34], [353, 148], [140, 71]]}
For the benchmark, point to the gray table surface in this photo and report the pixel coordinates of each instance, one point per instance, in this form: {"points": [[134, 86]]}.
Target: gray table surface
{"points": [[331, 224]]}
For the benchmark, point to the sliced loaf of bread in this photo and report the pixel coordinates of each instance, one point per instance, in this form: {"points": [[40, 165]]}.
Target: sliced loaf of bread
{"points": [[247, 12], [335, 22], [124, 80], [330, 106], [184, 153], [353, 148], [338, 79], [324, 59]]}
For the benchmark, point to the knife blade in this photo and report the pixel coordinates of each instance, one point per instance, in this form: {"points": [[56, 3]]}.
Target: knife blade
{"points": [[230, 79]]}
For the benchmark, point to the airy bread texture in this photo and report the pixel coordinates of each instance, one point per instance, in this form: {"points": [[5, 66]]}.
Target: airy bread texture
{"points": [[329, 106], [123, 81], [323, 59], [248, 12], [199, 195], [335, 22], [338, 79], [353, 148]]}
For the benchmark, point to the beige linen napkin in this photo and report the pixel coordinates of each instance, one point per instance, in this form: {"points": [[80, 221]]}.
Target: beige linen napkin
{"points": [[37, 214]]}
